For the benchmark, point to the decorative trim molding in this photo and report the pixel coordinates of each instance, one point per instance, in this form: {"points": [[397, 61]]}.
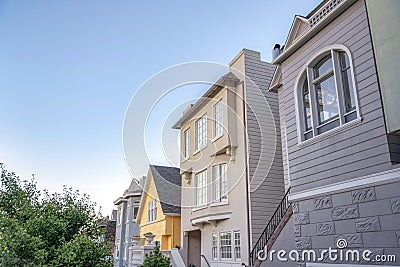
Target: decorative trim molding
{"points": [[329, 133], [288, 51], [385, 177]]}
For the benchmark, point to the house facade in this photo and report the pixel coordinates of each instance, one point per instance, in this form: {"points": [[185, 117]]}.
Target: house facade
{"points": [[336, 87], [232, 181], [126, 225], [159, 211]]}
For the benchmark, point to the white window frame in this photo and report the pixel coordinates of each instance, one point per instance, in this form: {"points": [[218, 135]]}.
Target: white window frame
{"points": [[186, 144], [152, 211], [220, 183], [307, 73], [233, 246], [218, 119], [225, 246], [201, 132], [214, 246], [201, 189], [237, 245]]}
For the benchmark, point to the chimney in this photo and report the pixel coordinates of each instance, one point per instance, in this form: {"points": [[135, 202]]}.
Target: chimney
{"points": [[276, 51]]}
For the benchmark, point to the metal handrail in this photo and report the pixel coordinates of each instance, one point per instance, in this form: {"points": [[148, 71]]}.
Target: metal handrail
{"points": [[271, 227], [204, 257]]}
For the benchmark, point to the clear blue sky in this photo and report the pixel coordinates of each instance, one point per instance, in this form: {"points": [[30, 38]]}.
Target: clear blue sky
{"points": [[69, 68]]}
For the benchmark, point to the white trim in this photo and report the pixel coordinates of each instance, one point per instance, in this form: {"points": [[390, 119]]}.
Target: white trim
{"points": [[217, 137], [300, 77], [329, 133], [219, 203], [214, 217], [385, 177], [314, 30]]}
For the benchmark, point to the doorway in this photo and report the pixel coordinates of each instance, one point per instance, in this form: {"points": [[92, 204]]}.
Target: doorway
{"points": [[194, 248]]}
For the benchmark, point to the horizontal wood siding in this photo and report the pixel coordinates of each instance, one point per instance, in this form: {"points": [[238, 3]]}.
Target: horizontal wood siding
{"points": [[356, 151], [265, 199]]}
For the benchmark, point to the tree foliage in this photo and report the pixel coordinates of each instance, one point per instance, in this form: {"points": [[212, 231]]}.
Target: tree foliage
{"points": [[42, 229], [156, 259]]}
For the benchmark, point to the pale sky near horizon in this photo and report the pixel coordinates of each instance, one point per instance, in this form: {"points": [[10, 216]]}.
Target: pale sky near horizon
{"points": [[68, 70]]}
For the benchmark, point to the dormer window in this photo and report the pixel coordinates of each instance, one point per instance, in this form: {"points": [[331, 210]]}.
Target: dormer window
{"points": [[326, 96]]}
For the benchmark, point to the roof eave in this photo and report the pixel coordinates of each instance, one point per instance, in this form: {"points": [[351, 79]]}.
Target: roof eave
{"points": [[288, 51], [216, 87]]}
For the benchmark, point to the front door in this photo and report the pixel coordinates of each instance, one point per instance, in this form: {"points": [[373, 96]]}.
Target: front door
{"points": [[194, 248]]}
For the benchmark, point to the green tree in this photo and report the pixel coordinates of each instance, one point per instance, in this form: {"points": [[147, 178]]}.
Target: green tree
{"points": [[156, 259], [42, 229]]}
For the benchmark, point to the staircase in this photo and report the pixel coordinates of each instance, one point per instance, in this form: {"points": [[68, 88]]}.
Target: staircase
{"points": [[271, 232]]}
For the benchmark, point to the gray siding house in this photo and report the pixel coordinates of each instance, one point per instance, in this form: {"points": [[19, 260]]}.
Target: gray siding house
{"points": [[340, 132], [126, 227]]}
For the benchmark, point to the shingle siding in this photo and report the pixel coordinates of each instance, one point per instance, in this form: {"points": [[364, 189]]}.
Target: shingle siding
{"points": [[356, 151]]}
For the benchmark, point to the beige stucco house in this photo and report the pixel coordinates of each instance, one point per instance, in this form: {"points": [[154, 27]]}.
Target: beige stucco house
{"points": [[232, 179]]}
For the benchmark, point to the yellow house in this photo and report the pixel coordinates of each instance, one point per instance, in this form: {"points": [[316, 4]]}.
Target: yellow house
{"points": [[159, 210]]}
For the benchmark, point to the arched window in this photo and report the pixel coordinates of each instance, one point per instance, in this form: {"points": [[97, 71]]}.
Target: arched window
{"points": [[326, 94]]}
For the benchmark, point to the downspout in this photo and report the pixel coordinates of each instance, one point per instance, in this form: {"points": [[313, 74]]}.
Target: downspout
{"points": [[247, 170]]}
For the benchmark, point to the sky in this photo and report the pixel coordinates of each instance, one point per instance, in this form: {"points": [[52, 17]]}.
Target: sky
{"points": [[69, 69]]}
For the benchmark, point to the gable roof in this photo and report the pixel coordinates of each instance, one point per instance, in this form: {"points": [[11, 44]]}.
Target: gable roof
{"points": [[167, 183], [133, 189], [300, 25], [304, 28]]}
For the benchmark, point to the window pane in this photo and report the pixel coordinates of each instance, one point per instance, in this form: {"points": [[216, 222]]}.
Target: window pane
{"points": [[344, 61], [201, 188], [215, 246], [224, 182], [237, 245], [327, 100], [201, 132], [226, 245], [216, 183], [323, 66], [186, 148], [306, 103], [348, 91], [218, 117]]}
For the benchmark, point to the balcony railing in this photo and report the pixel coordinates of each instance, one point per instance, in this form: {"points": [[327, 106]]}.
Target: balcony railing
{"points": [[270, 228], [166, 253], [323, 11]]}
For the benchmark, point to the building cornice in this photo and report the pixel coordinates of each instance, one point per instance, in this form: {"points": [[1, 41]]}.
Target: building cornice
{"points": [[315, 29], [227, 80], [375, 179]]}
